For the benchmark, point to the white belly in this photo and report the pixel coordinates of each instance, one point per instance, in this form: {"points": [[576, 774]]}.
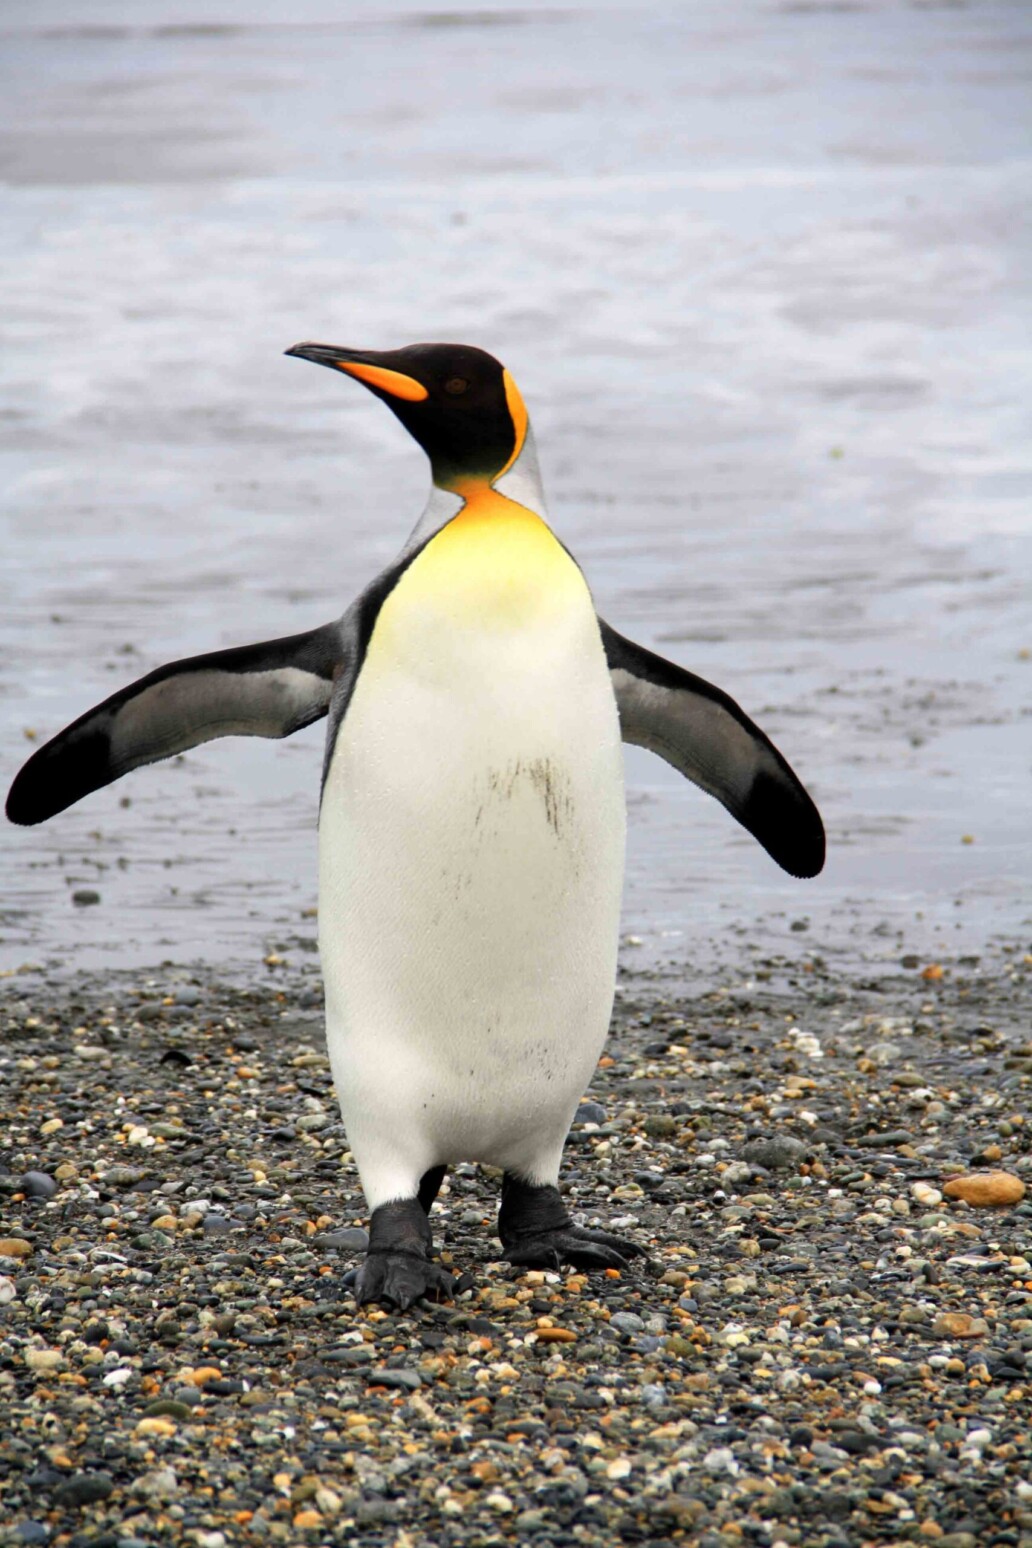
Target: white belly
{"points": [[471, 862]]}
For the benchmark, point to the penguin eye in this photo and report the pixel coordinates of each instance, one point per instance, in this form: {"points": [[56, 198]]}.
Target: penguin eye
{"points": [[455, 385]]}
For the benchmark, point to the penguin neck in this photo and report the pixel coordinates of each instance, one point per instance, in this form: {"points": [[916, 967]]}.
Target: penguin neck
{"points": [[520, 484]]}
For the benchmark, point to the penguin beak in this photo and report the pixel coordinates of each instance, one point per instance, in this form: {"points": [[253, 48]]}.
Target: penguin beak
{"points": [[363, 366]]}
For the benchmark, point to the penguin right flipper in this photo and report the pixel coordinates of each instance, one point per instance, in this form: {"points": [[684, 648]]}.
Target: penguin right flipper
{"points": [[271, 689], [708, 738]]}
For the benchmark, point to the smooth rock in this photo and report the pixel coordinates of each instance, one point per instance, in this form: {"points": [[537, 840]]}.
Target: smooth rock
{"points": [[352, 1237], [160, 1484], [925, 1194], [407, 1381], [37, 1185], [85, 1489], [780, 1153], [986, 1188], [43, 1361], [590, 1112], [959, 1325]]}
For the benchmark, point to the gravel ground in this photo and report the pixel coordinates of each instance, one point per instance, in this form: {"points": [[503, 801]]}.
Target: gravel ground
{"points": [[824, 1350]]}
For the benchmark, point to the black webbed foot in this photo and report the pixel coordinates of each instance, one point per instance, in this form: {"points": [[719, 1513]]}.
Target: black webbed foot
{"points": [[581, 1248], [398, 1266], [401, 1280], [537, 1232]]}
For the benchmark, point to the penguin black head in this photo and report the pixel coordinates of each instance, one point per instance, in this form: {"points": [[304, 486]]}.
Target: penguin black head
{"points": [[458, 402]]}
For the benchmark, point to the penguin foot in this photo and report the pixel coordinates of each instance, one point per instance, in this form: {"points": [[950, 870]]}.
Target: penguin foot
{"points": [[398, 1266], [401, 1278], [581, 1248], [537, 1232]]}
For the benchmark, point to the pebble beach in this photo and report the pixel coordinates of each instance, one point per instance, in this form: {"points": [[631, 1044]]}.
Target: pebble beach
{"points": [[831, 1343]]}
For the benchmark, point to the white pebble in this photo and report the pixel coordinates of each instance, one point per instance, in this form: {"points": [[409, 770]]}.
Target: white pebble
{"points": [[720, 1460], [925, 1194], [43, 1359], [805, 1043]]}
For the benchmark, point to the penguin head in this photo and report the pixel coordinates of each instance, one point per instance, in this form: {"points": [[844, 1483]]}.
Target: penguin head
{"points": [[458, 402]]}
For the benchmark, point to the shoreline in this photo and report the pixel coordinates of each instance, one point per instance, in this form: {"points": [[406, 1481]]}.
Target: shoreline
{"points": [[825, 1350]]}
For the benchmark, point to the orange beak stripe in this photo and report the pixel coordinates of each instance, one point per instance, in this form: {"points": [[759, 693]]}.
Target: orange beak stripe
{"points": [[392, 382]]}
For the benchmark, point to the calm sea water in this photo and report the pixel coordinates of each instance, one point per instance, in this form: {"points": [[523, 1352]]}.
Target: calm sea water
{"points": [[763, 274]]}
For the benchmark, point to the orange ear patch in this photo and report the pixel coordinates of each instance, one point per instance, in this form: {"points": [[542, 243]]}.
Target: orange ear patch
{"points": [[518, 411], [393, 382]]}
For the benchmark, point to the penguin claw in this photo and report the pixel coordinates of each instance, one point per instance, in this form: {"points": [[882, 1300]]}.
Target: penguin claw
{"points": [[401, 1278], [574, 1245]]}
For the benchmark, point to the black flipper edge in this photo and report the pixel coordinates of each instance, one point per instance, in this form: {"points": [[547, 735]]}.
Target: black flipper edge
{"points": [[704, 734], [271, 690]]}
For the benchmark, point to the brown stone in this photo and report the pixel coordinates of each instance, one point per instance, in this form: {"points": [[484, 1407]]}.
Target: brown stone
{"points": [[14, 1247], [983, 1188], [556, 1336], [959, 1325], [205, 1373], [308, 1520]]}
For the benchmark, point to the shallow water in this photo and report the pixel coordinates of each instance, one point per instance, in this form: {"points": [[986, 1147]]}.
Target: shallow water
{"points": [[763, 275]]}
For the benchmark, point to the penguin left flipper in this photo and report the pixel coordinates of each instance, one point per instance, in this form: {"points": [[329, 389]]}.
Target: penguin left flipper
{"points": [[704, 734], [271, 689]]}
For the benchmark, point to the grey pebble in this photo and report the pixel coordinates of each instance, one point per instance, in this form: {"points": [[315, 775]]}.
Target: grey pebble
{"points": [[407, 1381], [351, 1354], [590, 1112], [626, 1322], [30, 1532], [85, 1489], [370, 1512], [777, 1154], [160, 1484], [38, 1185], [352, 1237]]}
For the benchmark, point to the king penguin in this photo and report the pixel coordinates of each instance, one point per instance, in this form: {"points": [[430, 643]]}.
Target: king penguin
{"points": [[471, 830]]}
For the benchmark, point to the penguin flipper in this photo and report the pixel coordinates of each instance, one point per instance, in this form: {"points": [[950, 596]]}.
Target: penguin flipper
{"points": [[271, 689], [704, 734]]}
